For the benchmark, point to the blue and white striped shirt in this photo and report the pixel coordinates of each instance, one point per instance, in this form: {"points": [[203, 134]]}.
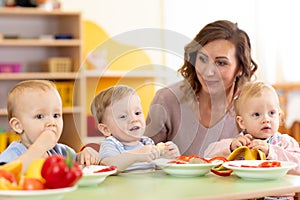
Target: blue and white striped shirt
{"points": [[110, 146]]}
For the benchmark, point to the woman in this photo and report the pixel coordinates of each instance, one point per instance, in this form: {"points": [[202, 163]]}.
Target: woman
{"points": [[195, 112]]}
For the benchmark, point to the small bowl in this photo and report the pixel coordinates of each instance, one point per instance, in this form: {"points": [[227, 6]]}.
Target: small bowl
{"points": [[92, 177]]}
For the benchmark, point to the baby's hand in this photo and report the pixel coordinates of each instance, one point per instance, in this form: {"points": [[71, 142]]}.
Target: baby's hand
{"points": [[146, 153], [47, 139], [244, 140], [261, 145], [168, 149], [88, 156]]}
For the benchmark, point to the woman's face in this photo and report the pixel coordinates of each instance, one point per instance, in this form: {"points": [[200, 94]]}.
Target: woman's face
{"points": [[216, 67]]}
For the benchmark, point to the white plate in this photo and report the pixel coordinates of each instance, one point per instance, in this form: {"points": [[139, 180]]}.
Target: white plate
{"points": [[47, 194], [89, 176], [185, 170], [260, 172]]}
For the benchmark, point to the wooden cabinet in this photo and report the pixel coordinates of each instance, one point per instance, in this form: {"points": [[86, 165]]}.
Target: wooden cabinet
{"points": [[30, 36], [289, 95]]}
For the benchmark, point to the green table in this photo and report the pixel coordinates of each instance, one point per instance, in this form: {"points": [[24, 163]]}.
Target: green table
{"points": [[158, 185]]}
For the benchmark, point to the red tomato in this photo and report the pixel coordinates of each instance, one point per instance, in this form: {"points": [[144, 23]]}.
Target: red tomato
{"points": [[8, 176], [270, 164], [33, 184]]}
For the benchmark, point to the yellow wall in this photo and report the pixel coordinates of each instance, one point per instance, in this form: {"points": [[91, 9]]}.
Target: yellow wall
{"points": [[120, 57]]}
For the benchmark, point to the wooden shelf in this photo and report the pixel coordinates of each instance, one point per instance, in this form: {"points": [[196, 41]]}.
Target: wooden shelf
{"points": [[39, 42], [28, 25], [34, 11], [39, 75], [129, 74]]}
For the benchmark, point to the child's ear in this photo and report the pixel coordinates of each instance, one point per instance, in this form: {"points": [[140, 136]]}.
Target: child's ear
{"points": [[240, 122], [16, 125], [104, 129]]}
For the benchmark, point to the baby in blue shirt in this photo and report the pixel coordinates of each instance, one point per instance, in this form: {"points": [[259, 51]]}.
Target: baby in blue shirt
{"points": [[119, 117], [35, 113]]}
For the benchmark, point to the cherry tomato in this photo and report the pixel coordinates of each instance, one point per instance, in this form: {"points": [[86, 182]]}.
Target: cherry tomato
{"points": [[8, 176], [270, 164], [33, 184]]}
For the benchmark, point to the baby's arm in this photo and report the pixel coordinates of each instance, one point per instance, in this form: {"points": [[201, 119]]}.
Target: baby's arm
{"points": [[46, 141], [88, 156], [122, 161]]}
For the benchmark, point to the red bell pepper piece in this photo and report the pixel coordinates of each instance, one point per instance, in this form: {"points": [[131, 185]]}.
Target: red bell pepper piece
{"points": [[218, 158], [176, 162], [187, 158], [270, 164], [60, 172], [107, 169], [223, 172]]}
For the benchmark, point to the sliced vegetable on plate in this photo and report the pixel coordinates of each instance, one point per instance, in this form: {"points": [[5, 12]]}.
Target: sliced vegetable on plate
{"points": [[259, 169], [95, 174]]}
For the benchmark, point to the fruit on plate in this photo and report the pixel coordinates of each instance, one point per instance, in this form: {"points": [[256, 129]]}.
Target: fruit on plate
{"points": [[242, 152], [162, 148], [53, 172], [194, 159], [8, 180], [7, 185], [35, 168], [60, 172], [32, 184], [14, 167]]}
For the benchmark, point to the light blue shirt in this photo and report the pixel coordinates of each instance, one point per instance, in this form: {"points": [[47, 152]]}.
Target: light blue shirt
{"points": [[16, 149], [110, 146]]}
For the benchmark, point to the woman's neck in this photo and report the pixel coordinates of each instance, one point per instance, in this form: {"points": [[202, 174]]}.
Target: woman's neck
{"points": [[213, 107]]}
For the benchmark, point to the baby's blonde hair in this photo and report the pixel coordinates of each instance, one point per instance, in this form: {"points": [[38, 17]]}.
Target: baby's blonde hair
{"points": [[21, 87], [106, 97], [252, 89]]}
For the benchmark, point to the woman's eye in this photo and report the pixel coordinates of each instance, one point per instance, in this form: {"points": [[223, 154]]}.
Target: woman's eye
{"points": [[203, 59], [39, 116], [220, 63]]}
